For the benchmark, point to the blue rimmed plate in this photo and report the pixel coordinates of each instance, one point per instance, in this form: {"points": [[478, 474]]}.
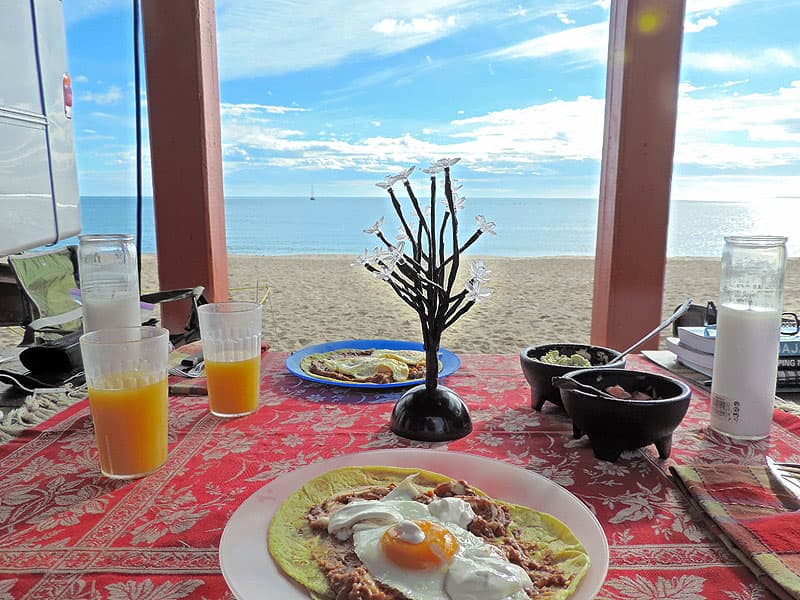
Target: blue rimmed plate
{"points": [[450, 362]]}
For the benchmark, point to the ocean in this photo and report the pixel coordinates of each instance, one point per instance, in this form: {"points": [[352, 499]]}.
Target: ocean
{"points": [[524, 226]]}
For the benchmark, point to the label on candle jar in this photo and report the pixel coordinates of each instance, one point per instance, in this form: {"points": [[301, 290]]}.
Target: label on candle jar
{"points": [[725, 409]]}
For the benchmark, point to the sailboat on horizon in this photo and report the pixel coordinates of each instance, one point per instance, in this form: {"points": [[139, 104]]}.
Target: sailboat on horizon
{"points": [[312, 194]]}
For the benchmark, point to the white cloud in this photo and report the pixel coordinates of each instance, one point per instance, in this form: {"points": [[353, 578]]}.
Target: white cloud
{"points": [[695, 6], [254, 39], [111, 96], [699, 25], [746, 131], [513, 140], [227, 108], [730, 62], [717, 61], [586, 43], [557, 130], [564, 18], [270, 38], [80, 79], [420, 25], [717, 131], [94, 136], [686, 87]]}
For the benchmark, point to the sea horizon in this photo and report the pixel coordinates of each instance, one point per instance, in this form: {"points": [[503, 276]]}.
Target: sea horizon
{"points": [[526, 227]]}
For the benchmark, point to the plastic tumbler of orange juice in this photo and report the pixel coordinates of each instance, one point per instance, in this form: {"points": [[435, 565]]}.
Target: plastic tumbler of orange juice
{"points": [[231, 335], [126, 373]]}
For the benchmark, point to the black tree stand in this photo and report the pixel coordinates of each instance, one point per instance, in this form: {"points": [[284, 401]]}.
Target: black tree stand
{"points": [[424, 280]]}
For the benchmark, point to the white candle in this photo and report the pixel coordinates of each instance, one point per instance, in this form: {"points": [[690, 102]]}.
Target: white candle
{"points": [[745, 371], [103, 312]]}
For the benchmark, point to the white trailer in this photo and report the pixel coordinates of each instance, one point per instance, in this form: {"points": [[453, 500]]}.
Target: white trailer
{"points": [[39, 201]]}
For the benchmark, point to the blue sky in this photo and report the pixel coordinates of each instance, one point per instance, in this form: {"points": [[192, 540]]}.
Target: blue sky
{"points": [[339, 94]]}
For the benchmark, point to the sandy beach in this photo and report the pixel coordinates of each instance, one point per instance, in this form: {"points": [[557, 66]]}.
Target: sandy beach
{"points": [[318, 298], [321, 298]]}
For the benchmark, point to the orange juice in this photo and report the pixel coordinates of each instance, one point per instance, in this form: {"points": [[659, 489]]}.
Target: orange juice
{"points": [[233, 386], [130, 426]]}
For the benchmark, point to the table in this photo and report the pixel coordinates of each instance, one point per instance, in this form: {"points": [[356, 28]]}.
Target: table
{"points": [[68, 532]]}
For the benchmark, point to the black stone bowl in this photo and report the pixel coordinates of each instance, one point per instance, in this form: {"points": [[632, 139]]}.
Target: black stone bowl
{"points": [[540, 374], [614, 425]]}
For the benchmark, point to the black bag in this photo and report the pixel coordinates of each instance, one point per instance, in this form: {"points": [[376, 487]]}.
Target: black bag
{"points": [[47, 365], [191, 331], [697, 316]]}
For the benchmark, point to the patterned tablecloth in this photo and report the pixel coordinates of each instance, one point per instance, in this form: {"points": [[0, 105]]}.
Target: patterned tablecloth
{"points": [[68, 532]]}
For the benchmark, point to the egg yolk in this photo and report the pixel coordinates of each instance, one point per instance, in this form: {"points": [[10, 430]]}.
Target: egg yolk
{"points": [[435, 551]]}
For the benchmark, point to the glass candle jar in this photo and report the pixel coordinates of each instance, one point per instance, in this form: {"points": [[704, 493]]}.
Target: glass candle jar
{"points": [[748, 334], [109, 279]]}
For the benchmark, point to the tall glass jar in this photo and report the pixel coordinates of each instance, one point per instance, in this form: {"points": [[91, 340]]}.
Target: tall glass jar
{"points": [[748, 335], [109, 279]]}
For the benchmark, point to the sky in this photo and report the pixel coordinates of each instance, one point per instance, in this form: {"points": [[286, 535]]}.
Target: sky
{"points": [[336, 95]]}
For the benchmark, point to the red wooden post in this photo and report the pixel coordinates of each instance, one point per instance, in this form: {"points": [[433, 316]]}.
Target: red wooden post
{"points": [[186, 148], [638, 144]]}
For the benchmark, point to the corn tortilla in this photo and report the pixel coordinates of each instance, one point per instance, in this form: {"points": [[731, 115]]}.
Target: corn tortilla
{"points": [[292, 543]]}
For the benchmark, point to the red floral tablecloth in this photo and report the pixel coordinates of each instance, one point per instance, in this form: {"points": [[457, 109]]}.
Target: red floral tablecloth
{"points": [[67, 532]]}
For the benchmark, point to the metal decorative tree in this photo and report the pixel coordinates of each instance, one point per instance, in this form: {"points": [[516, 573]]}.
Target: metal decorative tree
{"points": [[425, 279]]}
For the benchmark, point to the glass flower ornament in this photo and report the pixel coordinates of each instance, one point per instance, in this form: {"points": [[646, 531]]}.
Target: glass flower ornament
{"points": [[422, 267]]}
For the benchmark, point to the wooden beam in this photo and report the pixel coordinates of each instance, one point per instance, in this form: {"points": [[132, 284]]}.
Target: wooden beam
{"points": [[641, 104], [183, 104]]}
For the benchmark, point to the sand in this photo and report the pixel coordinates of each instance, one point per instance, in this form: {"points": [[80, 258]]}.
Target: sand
{"points": [[316, 299], [320, 298]]}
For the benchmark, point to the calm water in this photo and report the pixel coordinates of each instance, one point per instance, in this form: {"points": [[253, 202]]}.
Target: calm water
{"points": [[525, 226]]}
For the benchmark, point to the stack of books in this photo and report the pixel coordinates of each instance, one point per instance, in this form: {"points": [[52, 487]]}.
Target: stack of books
{"points": [[694, 348]]}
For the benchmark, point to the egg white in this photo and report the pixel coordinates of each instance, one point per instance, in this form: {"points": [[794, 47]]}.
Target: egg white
{"points": [[475, 566]]}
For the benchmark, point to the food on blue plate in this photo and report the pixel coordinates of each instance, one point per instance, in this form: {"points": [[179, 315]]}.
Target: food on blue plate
{"points": [[373, 365], [388, 533], [577, 359]]}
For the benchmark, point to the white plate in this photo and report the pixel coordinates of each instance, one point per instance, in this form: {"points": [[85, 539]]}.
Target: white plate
{"points": [[250, 571]]}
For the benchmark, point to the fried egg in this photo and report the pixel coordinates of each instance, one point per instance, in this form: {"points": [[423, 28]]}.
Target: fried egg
{"points": [[363, 367], [425, 551], [409, 357]]}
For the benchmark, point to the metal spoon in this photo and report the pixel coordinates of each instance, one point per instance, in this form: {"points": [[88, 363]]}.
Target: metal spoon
{"points": [[567, 383], [666, 323]]}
